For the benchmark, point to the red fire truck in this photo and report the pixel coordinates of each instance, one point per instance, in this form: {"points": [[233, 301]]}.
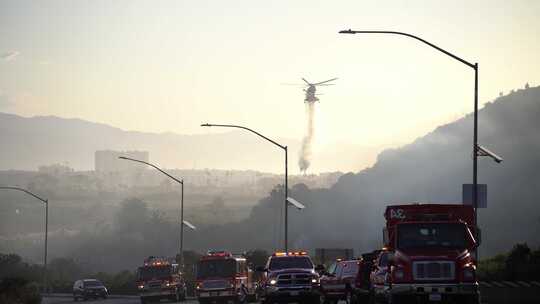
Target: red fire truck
{"points": [[223, 277], [428, 255], [160, 278]]}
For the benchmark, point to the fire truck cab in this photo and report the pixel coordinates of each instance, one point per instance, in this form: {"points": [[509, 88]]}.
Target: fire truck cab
{"points": [[428, 255], [222, 277], [160, 278]]}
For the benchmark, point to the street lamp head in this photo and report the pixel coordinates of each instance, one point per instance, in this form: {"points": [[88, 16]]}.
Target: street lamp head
{"points": [[483, 151], [295, 203], [122, 157], [206, 125], [349, 31], [189, 225]]}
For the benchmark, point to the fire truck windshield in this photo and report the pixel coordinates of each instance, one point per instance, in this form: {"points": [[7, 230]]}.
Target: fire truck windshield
{"points": [[153, 272], [431, 235], [216, 268], [290, 262]]}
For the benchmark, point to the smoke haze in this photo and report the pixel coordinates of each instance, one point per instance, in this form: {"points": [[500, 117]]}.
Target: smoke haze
{"points": [[306, 150]]}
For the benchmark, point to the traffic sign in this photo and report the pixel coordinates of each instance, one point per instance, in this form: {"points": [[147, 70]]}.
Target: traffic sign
{"points": [[467, 193]]}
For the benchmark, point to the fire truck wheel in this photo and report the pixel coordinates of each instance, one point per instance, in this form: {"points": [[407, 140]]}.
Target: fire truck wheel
{"points": [[323, 299], [175, 297], [473, 299], [350, 297], [253, 298], [242, 297], [371, 298]]}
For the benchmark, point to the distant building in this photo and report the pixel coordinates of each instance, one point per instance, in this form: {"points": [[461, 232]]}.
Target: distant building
{"points": [[56, 169], [107, 160]]}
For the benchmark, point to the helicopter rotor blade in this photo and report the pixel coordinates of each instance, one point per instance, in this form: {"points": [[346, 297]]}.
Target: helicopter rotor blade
{"points": [[306, 81], [326, 84], [319, 83]]}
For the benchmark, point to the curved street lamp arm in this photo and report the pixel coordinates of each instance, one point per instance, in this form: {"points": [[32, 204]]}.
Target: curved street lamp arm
{"points": [[349, 31], [245, 128], [27, 192], [153, 166]]}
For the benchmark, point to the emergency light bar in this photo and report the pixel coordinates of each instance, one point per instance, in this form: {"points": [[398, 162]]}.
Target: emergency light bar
{"points": [[156, 261], [218, 253], [292, 253]]}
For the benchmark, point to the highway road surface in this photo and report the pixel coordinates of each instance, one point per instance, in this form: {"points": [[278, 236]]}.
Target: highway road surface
{"points": [[110, 300]]}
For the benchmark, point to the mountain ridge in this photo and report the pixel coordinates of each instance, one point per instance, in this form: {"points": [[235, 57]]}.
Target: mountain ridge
{"points": [[30, 142], [432, 169]]}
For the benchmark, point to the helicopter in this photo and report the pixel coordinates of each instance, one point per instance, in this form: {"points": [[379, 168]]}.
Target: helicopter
{"points": [[311, 89]]}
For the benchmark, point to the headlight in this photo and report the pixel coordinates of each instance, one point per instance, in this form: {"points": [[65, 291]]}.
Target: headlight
{"points": [[314, 280], [141, 286], [468, 273], [273, 282]]}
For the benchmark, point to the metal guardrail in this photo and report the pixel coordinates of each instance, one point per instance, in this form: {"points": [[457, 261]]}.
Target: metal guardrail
{"points": [[509, 284], [113, 296], [504, 292], [69, 295]]}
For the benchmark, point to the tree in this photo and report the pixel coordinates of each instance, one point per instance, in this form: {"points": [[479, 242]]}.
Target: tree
{"points": [[63, 272], [257, 257], [132, 216], [517, 262], [18, 291]]}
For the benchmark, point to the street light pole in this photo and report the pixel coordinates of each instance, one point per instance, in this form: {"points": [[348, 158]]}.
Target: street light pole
{"points": [[46, 202], [181, 182], [182, 226], [285, 246], [475, 128], [46, 246]]}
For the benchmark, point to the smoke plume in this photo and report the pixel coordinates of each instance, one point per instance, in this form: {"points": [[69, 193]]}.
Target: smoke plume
{"points": [[305, 152]]}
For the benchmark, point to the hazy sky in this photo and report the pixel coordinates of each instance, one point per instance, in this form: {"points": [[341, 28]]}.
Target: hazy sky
{"points": [[170, 65]]}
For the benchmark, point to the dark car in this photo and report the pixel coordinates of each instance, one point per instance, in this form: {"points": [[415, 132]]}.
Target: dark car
{"points": [[89, 288], [348, 280], [338, 282]]}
